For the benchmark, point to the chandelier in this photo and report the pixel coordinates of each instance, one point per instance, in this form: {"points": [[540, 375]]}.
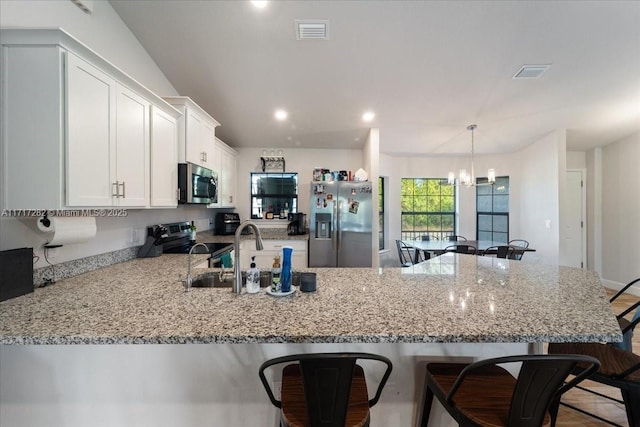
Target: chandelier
{"points": [[469, 180]]}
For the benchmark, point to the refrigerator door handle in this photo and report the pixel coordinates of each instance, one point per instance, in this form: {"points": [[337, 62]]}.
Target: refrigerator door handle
{"points": [[338, 228], [334, 228]]}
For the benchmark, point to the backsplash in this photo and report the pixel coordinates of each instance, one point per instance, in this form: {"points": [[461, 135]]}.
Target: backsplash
{"points": [[45, 275]]}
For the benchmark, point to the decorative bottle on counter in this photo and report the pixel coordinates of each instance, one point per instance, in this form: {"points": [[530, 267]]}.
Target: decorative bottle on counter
{"points": [[275, 274], [193, 232], [253, 278], [285, 277]]}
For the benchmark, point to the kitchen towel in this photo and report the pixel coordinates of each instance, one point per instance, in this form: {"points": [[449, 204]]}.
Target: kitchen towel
{"points": [[67, 230]]}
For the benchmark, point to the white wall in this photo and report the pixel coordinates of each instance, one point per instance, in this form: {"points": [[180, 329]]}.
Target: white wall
{"points": [[104, 32], [540, 192], [621, 210], [576, 159], [371, 153]]}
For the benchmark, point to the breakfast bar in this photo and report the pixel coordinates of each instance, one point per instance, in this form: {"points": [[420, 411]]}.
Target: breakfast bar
{"points": [[453, 306]]}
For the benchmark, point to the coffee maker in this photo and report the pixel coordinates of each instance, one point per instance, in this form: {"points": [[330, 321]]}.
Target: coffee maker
{"points": [[297, 225]]}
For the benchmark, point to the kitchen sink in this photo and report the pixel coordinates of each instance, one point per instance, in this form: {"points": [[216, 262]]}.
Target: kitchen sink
{"points": [[212, 281]]}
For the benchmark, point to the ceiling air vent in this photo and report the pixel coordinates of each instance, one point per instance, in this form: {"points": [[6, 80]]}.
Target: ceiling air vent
{"points": [[85, 5], [531, 71], [312, 29]]}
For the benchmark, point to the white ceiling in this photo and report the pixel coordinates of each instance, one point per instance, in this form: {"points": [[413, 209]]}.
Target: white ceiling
{"points": [[428, 69]]}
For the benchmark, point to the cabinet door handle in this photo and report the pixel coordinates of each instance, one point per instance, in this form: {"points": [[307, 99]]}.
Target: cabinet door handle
{"points": [[123, 193], [114, 193], [206, 157]]}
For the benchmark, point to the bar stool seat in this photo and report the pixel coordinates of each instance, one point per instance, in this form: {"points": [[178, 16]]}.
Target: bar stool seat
{"points": [[294, 407]]}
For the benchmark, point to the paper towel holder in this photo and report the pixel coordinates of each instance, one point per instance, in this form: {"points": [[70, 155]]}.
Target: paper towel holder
{"points": [[47, 222]]}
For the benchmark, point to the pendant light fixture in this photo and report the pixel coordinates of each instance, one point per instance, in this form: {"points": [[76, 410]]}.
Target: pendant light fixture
{"points": [[469, 180]]}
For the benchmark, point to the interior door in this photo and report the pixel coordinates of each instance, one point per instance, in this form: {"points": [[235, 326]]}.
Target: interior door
{"points": [[573, 251]]}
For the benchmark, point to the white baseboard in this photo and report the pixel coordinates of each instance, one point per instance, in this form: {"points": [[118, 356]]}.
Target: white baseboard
{"points": [[634, 290]]}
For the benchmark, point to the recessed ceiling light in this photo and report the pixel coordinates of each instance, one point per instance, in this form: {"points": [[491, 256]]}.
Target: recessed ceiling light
{"points": [[368, 116], [281, 115], [260, 4]]}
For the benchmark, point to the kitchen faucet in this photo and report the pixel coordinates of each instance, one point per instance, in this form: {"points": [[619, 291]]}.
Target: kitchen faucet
{"points": [[237, 277], [187, 283]]}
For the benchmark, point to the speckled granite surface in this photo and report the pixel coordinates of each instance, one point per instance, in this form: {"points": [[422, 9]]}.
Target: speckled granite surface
{"points": [[453, 298]]}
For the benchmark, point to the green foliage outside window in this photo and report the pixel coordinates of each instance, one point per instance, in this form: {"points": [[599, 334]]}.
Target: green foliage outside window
{"points": [[428, 208]]}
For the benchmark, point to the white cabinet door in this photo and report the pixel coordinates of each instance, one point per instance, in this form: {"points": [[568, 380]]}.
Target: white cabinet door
{"points": [[212, 156], [194, 124], [91, 109], [227, 179], [208, 146], [132, 149], [164, 159]]}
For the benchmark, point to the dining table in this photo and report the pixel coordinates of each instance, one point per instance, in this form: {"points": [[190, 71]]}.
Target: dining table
{"points": [[437, 247]]}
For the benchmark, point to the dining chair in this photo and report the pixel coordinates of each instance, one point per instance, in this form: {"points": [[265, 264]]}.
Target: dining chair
{"points": [[627, 326], [515, 253], [324, 389], [426, 254], [406, 254], [456, 238], [462, 249], [618, 368], [501, 251], [486, 394]]}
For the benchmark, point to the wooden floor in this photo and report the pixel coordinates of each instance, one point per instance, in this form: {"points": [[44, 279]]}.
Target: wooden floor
{"points": [[605, 408]]}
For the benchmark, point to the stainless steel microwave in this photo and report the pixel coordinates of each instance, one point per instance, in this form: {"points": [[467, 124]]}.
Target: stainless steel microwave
{"points": [[197, 184]]}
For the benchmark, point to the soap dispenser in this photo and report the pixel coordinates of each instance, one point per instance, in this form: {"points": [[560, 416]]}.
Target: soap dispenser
{"points": [[253, 277]]}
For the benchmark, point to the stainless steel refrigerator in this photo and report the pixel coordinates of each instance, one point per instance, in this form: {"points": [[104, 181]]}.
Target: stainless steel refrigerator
{"points": [[340, 224]]}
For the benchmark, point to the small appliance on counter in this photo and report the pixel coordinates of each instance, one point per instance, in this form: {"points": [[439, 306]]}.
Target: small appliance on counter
{"points": [[226, 223], [16, 272], [297, 225]]}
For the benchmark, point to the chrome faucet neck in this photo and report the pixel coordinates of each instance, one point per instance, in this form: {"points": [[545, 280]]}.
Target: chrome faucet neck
{"points": [[187, 283], [237, 277]]}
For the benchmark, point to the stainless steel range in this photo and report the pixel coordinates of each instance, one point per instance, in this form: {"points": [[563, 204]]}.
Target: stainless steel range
{"points": [[176, 240]]}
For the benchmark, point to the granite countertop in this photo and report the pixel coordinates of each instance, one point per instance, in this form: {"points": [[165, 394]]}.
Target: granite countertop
{"points": [[449, 299]]}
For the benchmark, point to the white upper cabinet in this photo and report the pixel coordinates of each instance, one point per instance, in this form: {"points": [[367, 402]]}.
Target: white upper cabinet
{"points": [[196, 130], [132, 149], [78, 130], [91, 148], [227, 177], [164, 159]]}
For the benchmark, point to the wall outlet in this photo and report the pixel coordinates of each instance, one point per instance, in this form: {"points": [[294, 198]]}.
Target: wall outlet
{"points": [[51, 252], [134, 236], [547, 223]]}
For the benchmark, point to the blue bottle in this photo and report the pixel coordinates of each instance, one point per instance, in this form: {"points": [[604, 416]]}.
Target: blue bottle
{"points": [[285, 276]]}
